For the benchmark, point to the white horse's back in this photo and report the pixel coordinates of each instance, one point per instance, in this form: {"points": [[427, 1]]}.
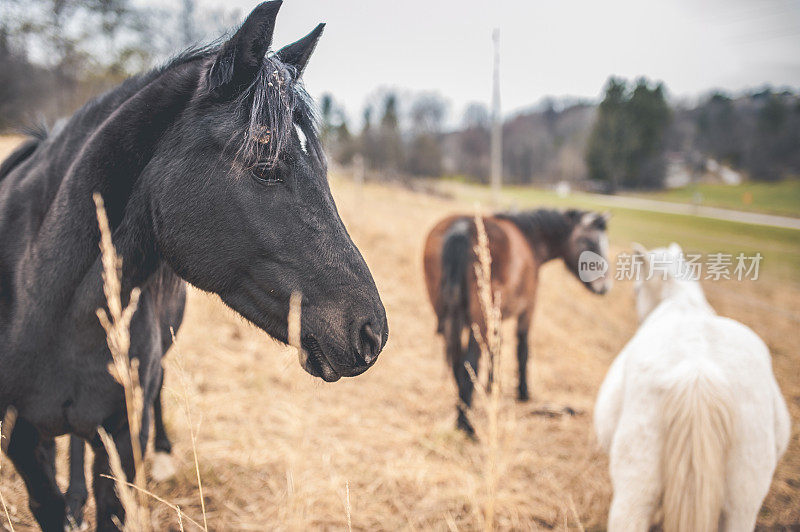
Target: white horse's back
{"points": [[692, 418]]}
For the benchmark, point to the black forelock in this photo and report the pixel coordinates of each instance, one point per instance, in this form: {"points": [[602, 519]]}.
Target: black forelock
{"points": [[275, 102]]}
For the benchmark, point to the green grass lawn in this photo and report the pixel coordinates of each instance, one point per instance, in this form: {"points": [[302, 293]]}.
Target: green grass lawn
{"points": [[773, 198], [780, 248]]}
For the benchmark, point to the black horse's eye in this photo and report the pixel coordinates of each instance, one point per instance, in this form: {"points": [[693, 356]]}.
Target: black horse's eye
{"points": [[266, 174]]}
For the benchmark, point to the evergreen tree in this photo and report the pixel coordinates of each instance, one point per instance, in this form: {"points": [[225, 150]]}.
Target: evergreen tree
{"points": [[771, 146], [648, 117], [607, 147], [720, 130], [627, 143]]}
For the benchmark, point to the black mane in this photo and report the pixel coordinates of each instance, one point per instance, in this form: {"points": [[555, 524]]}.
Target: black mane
{"points": [[544, 221], [546, 229], [273, 103]]}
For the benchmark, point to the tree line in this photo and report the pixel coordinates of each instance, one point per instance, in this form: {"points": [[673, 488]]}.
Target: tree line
{"points": [[756, 133], [399, 137], [627, 141], [55, 54]]}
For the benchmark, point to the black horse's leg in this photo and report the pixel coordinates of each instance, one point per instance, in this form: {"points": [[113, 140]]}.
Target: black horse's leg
{"points": [[76, 492], [522, 360], [34, 460], [162, 443], [49, 455], [162, 466], [465, 384], [109, 507]]}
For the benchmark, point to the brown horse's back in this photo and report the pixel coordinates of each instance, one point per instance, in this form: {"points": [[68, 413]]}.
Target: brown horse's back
{"points": [[514, 267]]}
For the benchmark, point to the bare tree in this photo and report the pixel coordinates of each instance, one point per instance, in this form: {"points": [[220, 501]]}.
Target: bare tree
{"points": [[424, 153]]}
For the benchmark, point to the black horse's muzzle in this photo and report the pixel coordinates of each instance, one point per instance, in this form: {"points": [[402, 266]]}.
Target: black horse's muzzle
{"points": [[366, 342]]}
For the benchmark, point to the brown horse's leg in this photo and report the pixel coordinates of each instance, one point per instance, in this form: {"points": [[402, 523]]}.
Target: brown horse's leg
{"points": [[523, 326], [465, 384]]}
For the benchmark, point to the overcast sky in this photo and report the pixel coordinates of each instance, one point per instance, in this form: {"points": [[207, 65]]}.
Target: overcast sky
{"points": [[557, 47]]}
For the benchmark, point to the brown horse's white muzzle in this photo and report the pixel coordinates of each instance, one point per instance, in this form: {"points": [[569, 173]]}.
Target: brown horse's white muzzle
{"points": [[602, 285]]}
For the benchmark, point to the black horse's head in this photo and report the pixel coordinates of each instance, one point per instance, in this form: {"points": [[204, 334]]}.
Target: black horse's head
{"points": [[246, 211]]}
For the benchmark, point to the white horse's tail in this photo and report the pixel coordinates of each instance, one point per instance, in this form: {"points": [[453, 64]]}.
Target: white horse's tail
{"points": [[697, 430]]}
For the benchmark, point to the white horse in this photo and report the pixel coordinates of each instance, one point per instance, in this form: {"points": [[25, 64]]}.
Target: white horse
{"points": [[690, 411]]}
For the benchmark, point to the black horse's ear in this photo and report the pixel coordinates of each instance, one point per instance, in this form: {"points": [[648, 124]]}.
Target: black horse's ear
{"points": [[239, 59], [574, 215], [298, 53]]}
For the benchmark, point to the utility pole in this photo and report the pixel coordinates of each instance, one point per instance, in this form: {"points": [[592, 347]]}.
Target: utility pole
{"points": [[497, 124]]}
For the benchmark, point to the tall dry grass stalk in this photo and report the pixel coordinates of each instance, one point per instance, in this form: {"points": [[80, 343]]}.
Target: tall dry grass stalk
{"points": [[117, 322], [292, 513], [293, 325], [133, 515], [180, 514], [178, 358], [2, 499], [347, 506], [490, 346], [575, 515]]}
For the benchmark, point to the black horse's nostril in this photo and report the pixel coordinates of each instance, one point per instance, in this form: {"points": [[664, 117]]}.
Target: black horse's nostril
{"points": [[369, 344]]}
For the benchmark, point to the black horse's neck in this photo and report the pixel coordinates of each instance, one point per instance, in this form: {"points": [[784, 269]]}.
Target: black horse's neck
{"points": [[546, 230], [109, 143]]}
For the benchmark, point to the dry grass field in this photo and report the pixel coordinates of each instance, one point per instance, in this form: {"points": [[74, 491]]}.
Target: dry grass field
{"points": [[280, 450]]}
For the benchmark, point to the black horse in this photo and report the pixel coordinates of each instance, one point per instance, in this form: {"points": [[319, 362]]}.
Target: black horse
{"points": [[212, 172]]}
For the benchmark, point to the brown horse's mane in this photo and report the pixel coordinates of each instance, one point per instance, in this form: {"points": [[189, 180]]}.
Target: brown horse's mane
{"points": [[547, 230]]}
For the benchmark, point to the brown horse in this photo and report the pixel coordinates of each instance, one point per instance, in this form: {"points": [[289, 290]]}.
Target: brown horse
{"points": [[519, 244]]}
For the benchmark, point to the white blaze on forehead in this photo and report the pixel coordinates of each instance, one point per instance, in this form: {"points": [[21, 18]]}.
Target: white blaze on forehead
{"points": [[303, 139], [603, 244], [602, 237], [605, 282]]}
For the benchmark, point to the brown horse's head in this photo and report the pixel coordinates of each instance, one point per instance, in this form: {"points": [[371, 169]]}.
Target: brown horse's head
{"points": [[585, 250]]}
